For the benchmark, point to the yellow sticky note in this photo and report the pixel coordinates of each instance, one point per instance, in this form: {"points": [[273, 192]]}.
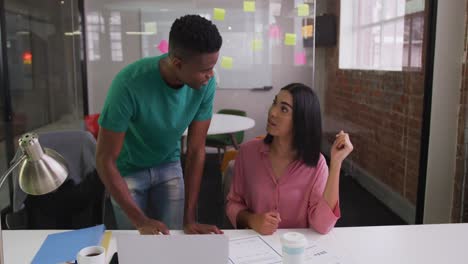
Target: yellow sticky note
{"points": [[307, 31], [219, 13], [150, 27], [257, 44], [249, 6], [303, 10], [290, 39], [226, 62]]}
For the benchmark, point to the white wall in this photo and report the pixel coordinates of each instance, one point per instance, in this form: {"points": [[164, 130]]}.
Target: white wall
{"points": [[444, 114]]}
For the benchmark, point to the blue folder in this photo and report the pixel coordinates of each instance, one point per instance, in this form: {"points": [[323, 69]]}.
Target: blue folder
{"points": [[63, 247]]}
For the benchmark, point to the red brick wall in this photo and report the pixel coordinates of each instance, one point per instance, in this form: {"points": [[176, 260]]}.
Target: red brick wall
{"points": [[462, 156], [386, 107]]}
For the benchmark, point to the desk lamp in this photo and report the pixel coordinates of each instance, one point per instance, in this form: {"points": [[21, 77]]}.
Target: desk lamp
{"points": [[42, 171]]}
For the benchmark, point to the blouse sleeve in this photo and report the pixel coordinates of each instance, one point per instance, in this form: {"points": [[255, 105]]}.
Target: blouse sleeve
{"points": [[321, 217]]}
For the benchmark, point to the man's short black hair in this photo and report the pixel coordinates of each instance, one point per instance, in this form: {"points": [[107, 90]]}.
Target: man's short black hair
{"points": [[192, 35], [307, 123]]}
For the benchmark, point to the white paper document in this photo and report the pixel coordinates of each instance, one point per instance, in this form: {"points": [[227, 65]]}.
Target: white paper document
{"points": [[315, 254], [251, 250], [254, 250]]}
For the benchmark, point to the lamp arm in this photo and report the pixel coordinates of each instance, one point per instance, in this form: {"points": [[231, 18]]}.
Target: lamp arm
{"points": [[13, 167]]}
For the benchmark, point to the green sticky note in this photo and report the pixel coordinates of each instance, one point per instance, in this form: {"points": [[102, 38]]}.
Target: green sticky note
{"points": [[150, 27], [303, 10], [257, 44], [290, 39], [249, 6], [219, 13], [226, 62]]}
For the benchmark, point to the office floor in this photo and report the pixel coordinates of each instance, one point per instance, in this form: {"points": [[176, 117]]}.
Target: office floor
{"points": [[358, 207]]}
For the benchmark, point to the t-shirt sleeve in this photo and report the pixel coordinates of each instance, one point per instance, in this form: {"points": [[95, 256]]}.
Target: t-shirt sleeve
{"points": [[206, 108], [119, 106]]}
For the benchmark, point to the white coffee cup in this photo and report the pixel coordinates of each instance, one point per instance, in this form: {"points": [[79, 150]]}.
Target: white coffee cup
{"points": [[293, 247], [92, 255]]}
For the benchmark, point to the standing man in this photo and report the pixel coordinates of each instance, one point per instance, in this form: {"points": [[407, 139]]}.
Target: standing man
{"points": [[148, 107]]}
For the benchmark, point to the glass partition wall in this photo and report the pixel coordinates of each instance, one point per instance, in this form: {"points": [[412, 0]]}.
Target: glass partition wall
{"points": [[44, 71]]}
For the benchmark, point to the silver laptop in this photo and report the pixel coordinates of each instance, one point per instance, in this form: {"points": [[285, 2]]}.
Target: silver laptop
{"points": [[172, 249]]}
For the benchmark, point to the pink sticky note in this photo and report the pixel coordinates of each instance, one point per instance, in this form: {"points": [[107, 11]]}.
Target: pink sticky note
{"points": [[300, 58], [274, 32], [163, 46]]}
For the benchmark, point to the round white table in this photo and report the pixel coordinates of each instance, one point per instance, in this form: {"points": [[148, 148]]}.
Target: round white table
{"points": [[227, 124]]}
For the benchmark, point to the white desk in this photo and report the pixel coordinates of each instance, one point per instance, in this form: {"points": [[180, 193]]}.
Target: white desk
{"points": [[428, 244]]}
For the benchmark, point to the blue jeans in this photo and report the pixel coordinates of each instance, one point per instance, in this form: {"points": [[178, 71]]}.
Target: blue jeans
{"points": [[159, 192]]}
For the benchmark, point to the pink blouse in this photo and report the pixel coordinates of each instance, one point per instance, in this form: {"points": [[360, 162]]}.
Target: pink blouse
{"points": [[296, 195]]}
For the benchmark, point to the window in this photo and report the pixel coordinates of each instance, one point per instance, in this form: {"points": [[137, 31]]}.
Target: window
{"points": [[94, 26], [412, 45], [115, 32], [381, 34]]}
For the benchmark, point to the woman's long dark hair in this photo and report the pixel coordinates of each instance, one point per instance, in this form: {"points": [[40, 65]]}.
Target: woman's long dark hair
{"points": [[307, 123]]}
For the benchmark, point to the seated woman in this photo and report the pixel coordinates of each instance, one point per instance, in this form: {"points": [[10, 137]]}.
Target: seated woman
{"points": [[282, 181]]}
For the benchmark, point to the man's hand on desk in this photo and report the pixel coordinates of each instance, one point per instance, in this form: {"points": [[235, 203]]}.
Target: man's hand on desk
{"points": [[196, 228], [152, 227]]}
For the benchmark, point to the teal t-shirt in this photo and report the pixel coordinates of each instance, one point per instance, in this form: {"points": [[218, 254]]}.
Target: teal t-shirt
{"points": [[153, 115]]}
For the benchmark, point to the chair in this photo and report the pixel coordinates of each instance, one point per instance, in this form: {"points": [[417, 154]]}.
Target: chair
{"points": [[228, 156], [78, 203], [222, 141], [227, 170], [92, 125]]}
